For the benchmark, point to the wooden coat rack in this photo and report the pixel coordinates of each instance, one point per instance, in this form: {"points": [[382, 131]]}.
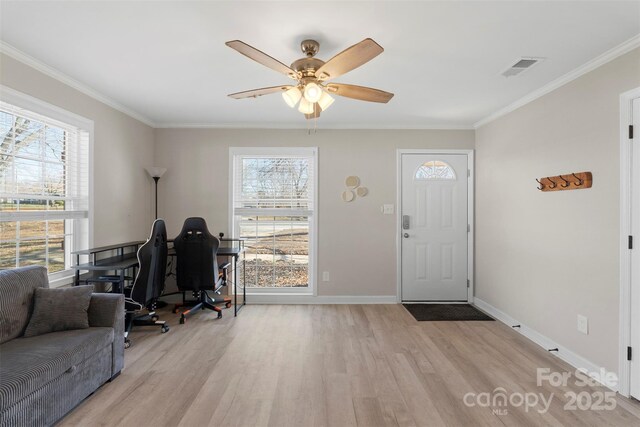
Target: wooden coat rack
{"points": [[572, 181]]}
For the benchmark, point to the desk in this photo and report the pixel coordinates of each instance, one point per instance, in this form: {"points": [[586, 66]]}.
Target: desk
{"points": [[233, 253], [124, 261], [119, 263]]}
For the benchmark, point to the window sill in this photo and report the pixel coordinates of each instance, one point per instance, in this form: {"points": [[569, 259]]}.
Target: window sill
{"points": [[61, 281], [276, 293], [319, 299], [280, 291]]}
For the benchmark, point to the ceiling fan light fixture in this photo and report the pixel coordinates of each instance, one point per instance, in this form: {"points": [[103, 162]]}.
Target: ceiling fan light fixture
{"points": [[325, 101], [312, 92], [305, 106], [292, 96]]}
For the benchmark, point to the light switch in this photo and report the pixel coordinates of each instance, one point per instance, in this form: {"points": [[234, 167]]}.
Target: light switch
{"points": [[387, 209]]}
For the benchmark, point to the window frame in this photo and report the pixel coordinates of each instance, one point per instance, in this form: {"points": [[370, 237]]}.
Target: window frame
{"points": [[312, 214], [55, 113]]}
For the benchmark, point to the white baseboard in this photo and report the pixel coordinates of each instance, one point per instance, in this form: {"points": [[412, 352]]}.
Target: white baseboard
{"points": [[563, 353], [320, 299]]}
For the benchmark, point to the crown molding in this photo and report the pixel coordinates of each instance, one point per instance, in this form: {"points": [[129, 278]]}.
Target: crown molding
{"points": [[321, 126], [598, 61], [602, 59], [20, 56]]}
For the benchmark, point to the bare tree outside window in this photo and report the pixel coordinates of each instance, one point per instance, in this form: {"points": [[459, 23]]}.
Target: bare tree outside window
{"points": [[277, 244], [275, 183], [32, 175]]}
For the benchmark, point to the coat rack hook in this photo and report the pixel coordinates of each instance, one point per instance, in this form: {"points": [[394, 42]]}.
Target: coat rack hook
{"points": [[567, 181], [579, 180], [552, 182], [565, 184]]}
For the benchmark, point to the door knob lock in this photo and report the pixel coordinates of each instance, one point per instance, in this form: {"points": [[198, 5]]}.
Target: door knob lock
{"points": [[406, 235]]}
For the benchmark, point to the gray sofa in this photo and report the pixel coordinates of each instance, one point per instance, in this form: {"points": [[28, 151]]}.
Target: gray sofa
{"points": [[44, 377]]}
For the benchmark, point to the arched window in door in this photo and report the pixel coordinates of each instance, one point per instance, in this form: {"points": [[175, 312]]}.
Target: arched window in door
{"points": [[435, 169]]}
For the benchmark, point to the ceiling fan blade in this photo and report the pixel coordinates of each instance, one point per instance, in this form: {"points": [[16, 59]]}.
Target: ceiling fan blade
{"points": [[254, 93], [315, 114], [359, 92], [348, 59], [261, 57]]}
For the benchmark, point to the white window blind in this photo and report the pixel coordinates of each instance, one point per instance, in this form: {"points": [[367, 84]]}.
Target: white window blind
{"points": [[44, 189]]}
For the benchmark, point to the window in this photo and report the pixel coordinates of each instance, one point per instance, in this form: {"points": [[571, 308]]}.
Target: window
{"points": [[44, 182], [435, 169], [273, 210]]}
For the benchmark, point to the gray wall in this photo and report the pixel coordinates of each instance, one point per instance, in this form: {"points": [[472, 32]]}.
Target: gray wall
{"points": [[544, 258], [122, 148], [356, 241]]}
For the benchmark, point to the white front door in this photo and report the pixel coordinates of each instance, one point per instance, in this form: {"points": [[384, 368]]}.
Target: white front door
{"points": [[434, 227]]}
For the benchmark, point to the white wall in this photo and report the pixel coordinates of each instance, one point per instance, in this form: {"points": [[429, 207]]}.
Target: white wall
{"points": [[356, 241], [544, 258], [122, 148]]}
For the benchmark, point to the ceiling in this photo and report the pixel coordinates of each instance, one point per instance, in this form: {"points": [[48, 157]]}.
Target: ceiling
{"points": [[167, 61]]}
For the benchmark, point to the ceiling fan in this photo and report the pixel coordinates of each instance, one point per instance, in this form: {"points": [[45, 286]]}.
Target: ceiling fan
{"points": [[312, 74]]}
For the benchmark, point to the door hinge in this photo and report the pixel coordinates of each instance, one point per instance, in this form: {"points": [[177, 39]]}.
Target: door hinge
{"points": [[468, 283], [468, 228], [468, 172], [630, 242], [630, 131], [628, 353]]}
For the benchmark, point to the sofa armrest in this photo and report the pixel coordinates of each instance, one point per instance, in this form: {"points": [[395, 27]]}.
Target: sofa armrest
{"points": [[107, 310]]}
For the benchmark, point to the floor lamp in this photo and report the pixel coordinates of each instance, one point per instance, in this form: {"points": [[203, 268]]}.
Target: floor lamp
{"points": [[156, 172]]}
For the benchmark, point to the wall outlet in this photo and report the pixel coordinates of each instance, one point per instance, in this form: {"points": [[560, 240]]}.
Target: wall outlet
{"points": [[325, 276], [583, 324], [387, 209]]}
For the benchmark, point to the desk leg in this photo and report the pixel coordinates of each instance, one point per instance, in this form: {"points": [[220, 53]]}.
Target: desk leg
{"points": [[235, 286], [236, 309], [77, 278], [121, 284]]}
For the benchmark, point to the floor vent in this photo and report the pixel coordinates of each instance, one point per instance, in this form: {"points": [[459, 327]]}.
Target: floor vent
{"points": [[521, 65]]}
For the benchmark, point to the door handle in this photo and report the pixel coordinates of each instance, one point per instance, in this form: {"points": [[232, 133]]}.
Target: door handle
{"points": [[406, 235], [405, 222]]}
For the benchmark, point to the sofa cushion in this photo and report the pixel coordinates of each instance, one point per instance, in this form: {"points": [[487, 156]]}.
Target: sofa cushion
{"points": [[27, 364], [17, 287], [61, 309], [46, 405]]}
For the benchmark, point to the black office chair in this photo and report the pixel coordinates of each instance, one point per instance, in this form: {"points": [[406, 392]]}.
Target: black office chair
{"points": [[148, 284], [197, 268]]}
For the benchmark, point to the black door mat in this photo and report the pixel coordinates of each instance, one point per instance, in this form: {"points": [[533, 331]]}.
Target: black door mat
{"points": [[436, 312]]}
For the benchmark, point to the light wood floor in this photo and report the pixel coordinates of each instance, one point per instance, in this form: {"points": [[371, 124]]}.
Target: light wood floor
{"points": [[331, 365]]}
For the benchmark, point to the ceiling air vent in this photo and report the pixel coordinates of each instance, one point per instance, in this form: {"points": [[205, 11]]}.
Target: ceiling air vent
{"points": [[521, 65]]}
